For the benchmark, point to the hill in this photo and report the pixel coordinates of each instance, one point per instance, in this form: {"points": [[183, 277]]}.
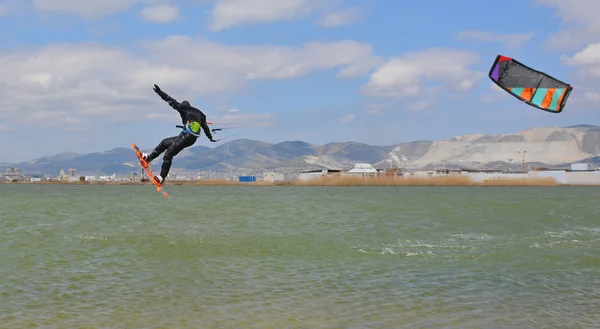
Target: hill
{"points": [[544, 146]]}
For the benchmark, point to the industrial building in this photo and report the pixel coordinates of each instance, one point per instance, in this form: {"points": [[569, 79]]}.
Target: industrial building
{"points": [[247, 179], [13, 174], [68, 177], [273, 176], [311, 174], [577, 174], [359, 169], [363, 169], [107, 178]]}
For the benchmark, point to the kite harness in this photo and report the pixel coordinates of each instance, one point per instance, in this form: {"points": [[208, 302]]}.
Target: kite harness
{"points": [[192, 128]]}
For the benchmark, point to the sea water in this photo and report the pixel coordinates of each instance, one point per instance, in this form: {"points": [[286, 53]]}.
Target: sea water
{"points": [[76, 256]]}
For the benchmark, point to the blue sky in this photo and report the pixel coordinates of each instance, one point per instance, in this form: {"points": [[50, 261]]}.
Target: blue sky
{"points": [[78, 75]]}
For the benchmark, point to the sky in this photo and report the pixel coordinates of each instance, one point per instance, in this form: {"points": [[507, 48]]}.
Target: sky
{"points": [[77, 76]]}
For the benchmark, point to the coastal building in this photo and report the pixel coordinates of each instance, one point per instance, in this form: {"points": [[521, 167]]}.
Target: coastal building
{"points": [[62, 176], [390, 172], [273, 176], [12, 174], [577, 174], [247, 179], [312, 174], [107, 178], [363, 169], [580, 167]]}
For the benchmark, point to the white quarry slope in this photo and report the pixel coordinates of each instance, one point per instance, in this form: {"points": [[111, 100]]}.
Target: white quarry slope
{"points": [[325, 161], [548, 145]]}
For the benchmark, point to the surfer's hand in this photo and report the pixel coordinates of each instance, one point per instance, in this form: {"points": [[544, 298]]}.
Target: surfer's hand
{"points": [[157, 89]]}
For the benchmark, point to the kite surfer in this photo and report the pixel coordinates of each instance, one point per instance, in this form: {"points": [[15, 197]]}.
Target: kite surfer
{"points": [[193, 119]]}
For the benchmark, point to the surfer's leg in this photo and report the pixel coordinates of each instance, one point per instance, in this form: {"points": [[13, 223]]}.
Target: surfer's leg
{"points": [[160, 148], [177, 146]]}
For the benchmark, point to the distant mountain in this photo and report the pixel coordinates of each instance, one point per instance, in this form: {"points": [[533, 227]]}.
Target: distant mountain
{"points": [[65, 156], [544, 146], [583, 126]]}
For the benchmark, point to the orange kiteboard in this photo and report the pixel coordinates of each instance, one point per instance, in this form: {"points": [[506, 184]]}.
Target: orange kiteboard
{"points": [[148, 170]]}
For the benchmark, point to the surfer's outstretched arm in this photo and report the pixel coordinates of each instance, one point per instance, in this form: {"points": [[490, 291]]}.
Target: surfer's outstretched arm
{"points": [[165, 97], [206, 128]]}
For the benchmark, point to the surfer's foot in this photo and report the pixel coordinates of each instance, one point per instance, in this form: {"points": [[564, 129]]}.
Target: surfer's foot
{"points": [[158, 179], [145, 156]]}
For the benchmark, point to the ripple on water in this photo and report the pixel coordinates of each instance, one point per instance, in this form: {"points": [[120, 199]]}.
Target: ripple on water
{"points": [[302, 258]]}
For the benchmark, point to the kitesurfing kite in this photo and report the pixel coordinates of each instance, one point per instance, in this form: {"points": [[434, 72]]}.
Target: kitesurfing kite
{"points": [[533, 87]]}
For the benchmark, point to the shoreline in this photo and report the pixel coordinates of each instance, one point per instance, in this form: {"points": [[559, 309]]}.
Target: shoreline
{"points": [[334, 181]]}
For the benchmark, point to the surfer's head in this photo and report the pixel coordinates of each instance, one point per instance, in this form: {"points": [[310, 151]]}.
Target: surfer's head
{"points": [[185, 103]]}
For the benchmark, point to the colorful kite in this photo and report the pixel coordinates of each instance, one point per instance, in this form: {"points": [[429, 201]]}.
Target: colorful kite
{"points": [[533, 87]]}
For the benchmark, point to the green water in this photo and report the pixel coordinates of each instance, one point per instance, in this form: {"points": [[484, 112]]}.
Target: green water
{"points": [[299, 257]]}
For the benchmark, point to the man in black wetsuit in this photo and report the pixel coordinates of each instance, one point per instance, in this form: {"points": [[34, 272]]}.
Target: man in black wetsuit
{"points": [[193, 119]]}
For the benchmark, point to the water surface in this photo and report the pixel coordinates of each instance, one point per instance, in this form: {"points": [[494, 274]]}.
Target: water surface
{"points": [[299, 257]]}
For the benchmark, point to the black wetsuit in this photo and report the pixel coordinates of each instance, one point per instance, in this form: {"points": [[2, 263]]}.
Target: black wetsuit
{"points": [[175, 144]]}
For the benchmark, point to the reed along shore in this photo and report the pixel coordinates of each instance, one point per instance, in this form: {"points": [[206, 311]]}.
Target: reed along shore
{"points": [[337, 181]]}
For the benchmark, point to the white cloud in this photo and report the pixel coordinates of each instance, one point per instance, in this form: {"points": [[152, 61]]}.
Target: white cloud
{"points": [[515, 40], [69, 84], [238, 118], [588, 58], [230, 13], [347, 118], [590, 98], [580, 23], [404, 77], [88, 9], [162, 13], [264, 62], [3, 10], [587, 65], [496, 94], [582, 98], [580, 28], [248, 120], [343, 17]]}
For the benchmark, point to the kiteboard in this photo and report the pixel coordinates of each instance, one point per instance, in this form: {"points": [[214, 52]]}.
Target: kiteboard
{"points": [[148, 170]]}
